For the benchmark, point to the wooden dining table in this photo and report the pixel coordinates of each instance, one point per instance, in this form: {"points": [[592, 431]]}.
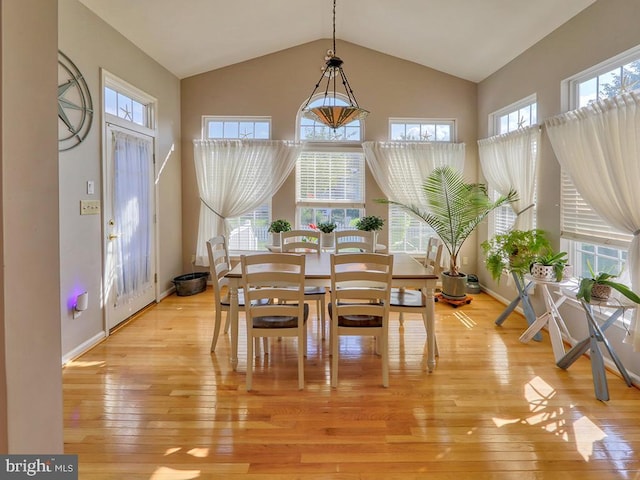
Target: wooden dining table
{"points": [[407, 272]]}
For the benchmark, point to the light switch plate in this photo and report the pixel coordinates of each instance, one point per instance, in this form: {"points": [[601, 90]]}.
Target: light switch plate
{"points": [[89, 207]]}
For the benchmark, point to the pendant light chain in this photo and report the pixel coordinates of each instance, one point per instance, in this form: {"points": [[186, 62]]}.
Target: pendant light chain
{"points": [[330, 113], [334, 28]]}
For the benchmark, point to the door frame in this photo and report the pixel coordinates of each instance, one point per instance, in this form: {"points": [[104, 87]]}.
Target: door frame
{"points": [[110, 80]]}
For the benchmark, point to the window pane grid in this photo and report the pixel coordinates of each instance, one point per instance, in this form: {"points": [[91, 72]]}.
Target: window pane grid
{"points": [[125, 107]]}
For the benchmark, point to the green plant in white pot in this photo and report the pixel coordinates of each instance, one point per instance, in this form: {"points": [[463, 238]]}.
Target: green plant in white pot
{"points": [[454, 209], [278, 226]]}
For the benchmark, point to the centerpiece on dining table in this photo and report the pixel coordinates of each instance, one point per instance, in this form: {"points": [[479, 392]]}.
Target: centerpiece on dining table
{"points": [[327, 228]]}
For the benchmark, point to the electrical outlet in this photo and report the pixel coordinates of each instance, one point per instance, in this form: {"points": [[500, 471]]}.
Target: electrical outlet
{"points": [[89, 207], [465, 260], [193, 258]]}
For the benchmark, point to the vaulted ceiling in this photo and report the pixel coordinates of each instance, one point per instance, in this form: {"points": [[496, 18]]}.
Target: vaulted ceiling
{"points": [[470, 39]]}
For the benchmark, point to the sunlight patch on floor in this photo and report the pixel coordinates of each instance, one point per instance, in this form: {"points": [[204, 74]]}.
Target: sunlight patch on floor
{"points": [[166, 473], [465, 319], [555, 420]]}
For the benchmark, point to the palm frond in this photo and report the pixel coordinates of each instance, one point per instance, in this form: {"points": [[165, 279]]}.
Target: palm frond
{"points": [[455, 208]]}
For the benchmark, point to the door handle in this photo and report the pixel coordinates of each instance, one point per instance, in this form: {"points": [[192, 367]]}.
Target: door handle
{"points": [[113, 236]]}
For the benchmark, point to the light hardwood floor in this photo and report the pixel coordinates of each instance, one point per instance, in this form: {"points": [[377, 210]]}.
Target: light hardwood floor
{"points": [[152, 403]]}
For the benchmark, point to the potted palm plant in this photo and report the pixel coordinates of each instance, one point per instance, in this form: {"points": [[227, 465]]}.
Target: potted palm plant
{"points": [[598, 286], [455, 209]]}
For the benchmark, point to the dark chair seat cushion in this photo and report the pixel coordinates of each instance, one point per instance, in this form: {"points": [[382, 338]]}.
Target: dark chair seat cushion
{"points": [[406, 298], [357, 320], [314, 290], [279, 321]]}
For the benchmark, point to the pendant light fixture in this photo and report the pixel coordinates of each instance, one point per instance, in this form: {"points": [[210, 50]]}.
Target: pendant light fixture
{"points": [[330, 114]]}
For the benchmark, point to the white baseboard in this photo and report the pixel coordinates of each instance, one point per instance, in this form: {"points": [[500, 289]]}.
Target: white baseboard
{"points": [[83, 347]]}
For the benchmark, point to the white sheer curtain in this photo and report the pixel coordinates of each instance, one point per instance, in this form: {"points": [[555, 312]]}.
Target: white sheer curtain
{"points": [[510, 161], [599, 147], [400, 168], [132, 215], [235, 177]]}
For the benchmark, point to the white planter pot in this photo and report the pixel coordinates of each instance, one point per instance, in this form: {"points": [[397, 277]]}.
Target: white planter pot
{"points": [[543, 272], [326, 240]]}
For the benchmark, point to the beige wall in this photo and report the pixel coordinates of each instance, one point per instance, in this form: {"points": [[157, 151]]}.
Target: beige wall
{"points": [[93, 45], [277, 85], [602, 31], [29, 218]]}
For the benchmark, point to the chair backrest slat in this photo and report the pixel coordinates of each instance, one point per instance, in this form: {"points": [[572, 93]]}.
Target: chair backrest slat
{"points": [[354, 240], [300, 240]]}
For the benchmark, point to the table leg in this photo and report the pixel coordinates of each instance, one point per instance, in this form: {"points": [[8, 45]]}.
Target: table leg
{"points": [[523, 296], [431, 336], [233, 315], [597, 368], [535, 327], [599, 334]]}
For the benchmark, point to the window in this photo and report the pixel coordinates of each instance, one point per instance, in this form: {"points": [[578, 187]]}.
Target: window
{"points": [[236, 127], [330, 187], [127, 106], [251, 230], [585, 235], [414, 130], [330, 172], [406, 232], [509, 119]]}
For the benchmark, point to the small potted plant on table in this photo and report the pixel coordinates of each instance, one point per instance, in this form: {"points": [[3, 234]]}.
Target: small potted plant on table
{"points": [[327, 228], [276, 227], [598, 286], [551, 266]]}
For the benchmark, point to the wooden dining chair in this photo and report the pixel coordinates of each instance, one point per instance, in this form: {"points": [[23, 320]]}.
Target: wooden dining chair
{"points": [[354, 241], [360, 291], [414, 301], [307, 241], [219, 266], [268, 278]]}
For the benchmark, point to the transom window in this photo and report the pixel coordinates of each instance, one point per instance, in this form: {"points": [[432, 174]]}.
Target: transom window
{"points": [[521, 114], [126, 105], [406, 232], [585, 235], [418, 130], [251, 230], [214, 127]]}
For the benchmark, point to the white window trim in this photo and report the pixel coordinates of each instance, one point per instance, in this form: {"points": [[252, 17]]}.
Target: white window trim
{"points": [[495, 116], [115, 83], [568, 87]]}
